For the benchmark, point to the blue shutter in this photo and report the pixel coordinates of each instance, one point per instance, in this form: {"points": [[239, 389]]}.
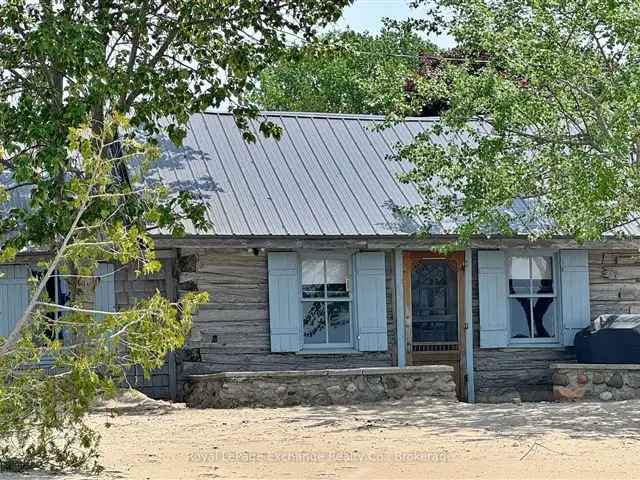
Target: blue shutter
{"points": [[14, 296], [284, 304], [492, 286], [105, 291], [371, 301], [574, 276]]}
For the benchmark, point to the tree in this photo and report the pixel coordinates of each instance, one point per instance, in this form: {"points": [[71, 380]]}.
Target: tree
{"points": [[80, 80], [344, 72], [544, 109], [89, 351]]}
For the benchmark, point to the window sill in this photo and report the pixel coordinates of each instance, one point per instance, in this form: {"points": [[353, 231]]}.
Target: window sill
{"points": [[535, 345], [329, 352]]}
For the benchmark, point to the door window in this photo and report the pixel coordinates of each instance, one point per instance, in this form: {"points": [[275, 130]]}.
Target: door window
{"points": [[434, 302]]}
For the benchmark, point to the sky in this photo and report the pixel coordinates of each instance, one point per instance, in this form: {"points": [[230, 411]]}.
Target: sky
{"points": [[367, 15]]}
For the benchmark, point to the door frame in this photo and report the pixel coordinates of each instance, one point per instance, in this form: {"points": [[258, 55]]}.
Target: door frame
{"points": [[409, 259]]}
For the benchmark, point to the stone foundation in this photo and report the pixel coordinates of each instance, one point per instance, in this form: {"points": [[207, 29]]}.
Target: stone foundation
{"points": [[598, 381], [318, 387]]}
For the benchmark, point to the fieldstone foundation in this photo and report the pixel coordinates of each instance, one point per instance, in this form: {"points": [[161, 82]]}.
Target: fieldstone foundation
{"points": [[598, 381], [318, 387]]}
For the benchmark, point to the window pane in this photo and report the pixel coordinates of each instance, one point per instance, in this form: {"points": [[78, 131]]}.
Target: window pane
{"points": [[314, 322], [542, 274], [437, 300], [435, 272], [519, 275], [544, 317], [339, 322], [520, 316], [337, 278], [312, 278]]}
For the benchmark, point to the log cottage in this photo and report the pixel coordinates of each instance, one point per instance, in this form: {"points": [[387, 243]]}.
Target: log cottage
{"points": [[310, 265]]}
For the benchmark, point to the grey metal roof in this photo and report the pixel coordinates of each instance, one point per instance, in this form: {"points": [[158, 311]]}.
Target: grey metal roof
{"points": [[328, 175]]}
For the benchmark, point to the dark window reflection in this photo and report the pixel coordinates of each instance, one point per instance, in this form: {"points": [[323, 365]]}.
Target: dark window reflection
{"points": [[339, 327], [325, 319], [57, 292], [523, 310], [314, 322], [531, 316]]}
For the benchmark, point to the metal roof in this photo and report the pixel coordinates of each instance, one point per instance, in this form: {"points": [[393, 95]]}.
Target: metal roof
{"points": [[329, 175]]}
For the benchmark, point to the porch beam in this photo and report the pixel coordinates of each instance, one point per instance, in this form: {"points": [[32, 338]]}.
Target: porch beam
{"points": [[402, 354], [468, 320]]}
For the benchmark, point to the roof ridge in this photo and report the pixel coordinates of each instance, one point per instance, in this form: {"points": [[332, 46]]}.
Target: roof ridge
{"points": [[327, 115]]}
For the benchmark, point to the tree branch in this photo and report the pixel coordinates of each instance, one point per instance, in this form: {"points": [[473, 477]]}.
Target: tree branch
{"points": [[26, 316], [154, 60]]}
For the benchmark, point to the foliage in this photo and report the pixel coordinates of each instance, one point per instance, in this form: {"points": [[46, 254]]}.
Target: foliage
{"points": [[433, 65], [153, 61], [544, 110], [344, 72], [42, 409], [77, 79]]}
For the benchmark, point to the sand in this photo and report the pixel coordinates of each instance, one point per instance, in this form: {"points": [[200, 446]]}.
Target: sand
{"points": [[409, 440]]}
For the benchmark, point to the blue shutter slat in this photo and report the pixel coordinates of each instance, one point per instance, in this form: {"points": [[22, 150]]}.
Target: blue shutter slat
{"points": [[105, 291], [576, 310], [371, 301], [14, 296], [492, 286], [4, 309], [284, 304]]}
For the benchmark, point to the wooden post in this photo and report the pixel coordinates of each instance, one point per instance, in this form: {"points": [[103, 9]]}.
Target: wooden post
{"points": [[172, 294]]}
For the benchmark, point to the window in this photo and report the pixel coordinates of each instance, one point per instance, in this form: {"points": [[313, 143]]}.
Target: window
{"points": [[326, 302], [532, 302], [57, 292]]}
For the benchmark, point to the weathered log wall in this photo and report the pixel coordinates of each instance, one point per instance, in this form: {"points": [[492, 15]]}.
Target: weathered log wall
{"points": [[501, 374], [506, 374], [129, 289], [517, 373], [614, 278], [231, 333]]}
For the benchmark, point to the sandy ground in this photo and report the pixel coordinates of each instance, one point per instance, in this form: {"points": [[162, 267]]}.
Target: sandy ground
{"points": [[408, 440]]}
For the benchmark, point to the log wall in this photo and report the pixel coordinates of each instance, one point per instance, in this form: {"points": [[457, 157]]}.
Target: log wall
{"points": [[131, 288], [506, 374], [502, 374], [614, 278], [231, 333]]}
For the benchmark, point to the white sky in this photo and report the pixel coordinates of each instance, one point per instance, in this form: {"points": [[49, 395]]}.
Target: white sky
{"points": [[367, 15]]}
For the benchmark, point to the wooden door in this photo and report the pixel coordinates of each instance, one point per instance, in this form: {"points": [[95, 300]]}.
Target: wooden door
{"points": [[434, 311]]}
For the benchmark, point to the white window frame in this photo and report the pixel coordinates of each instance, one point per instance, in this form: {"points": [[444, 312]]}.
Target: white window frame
{"points": [[328, 347], [557, 295]]}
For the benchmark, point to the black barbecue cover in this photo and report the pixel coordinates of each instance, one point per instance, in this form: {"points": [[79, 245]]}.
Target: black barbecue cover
{"points": [[617, 340]]}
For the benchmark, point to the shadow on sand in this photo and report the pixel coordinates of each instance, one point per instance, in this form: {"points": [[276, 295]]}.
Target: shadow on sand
{"points": [[577, 420]]}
